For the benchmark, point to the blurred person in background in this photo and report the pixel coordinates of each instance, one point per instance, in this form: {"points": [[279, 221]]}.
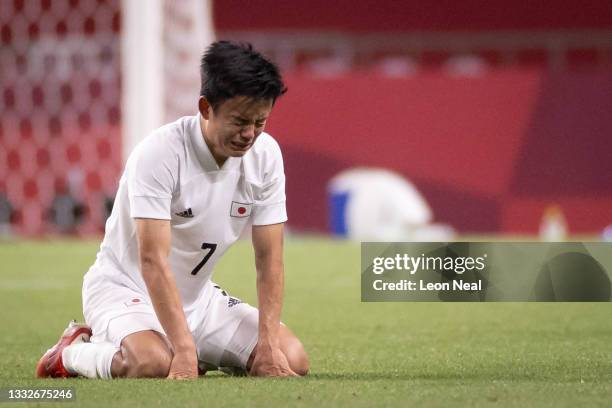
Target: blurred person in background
{"points": [[375, 204], [6, 214]]}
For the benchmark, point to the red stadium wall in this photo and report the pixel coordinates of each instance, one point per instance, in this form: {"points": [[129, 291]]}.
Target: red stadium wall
{"points": [[490, 153], [411, 15]]}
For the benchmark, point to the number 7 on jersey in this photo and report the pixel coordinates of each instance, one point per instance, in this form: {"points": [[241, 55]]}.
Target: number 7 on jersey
{"points": [[211, 249]]}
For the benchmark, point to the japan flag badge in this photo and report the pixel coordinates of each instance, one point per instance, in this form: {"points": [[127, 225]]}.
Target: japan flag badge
{"points": [[135, 302], [240, 210]]}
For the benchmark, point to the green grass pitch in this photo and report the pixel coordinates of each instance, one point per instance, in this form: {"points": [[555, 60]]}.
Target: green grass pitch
{"points": [[362, 354]]}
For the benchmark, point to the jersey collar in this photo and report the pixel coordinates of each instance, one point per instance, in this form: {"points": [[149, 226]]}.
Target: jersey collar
{"points": [[203, 153]]}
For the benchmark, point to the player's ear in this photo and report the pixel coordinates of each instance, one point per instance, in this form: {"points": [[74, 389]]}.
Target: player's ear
{"points": [[204, 107]]}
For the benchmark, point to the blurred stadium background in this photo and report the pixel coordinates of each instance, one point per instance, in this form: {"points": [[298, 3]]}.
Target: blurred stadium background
{"points": [[494, 110]]}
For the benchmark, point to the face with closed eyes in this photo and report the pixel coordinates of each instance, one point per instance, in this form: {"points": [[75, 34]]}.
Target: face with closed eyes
{"points": [[231, 129]]}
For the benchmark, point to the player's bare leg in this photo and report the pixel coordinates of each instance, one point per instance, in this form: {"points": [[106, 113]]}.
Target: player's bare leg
{"points": [[293, 349], [144, 354]]}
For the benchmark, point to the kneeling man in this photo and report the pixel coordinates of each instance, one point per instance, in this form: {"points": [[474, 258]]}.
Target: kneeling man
{"points": [[187, 193]]}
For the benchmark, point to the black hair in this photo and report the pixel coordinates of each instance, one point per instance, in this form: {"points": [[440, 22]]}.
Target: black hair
{"points": [[231, 69]]}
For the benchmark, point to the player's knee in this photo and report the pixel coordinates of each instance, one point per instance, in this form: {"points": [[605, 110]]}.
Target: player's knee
{"points": [[297, 357], [152, 364], [119, 366]]}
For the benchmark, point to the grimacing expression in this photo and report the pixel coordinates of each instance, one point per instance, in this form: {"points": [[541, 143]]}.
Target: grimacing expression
{"points": [[234, 125]]}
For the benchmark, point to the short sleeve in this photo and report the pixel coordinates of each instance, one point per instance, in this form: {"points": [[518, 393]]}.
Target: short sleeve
{"points": [[151, 179], [269, 206]]}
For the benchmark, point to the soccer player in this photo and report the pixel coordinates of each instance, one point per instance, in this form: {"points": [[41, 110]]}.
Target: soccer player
{"points": [[188, 191]]}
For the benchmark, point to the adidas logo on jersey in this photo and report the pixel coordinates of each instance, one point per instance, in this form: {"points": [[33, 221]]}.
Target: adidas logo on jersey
{"points": [[232, 301], [185, 214]]}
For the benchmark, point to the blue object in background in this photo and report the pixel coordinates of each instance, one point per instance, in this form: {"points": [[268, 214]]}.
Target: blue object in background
{"points": [[337, 212], [606, 235]]}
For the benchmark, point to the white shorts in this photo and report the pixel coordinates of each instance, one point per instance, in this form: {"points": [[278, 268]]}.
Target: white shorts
{"points": [[225, 330]]}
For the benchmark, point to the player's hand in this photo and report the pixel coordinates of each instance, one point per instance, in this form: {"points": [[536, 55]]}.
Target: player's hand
{"points": [[184, 366], [271, 362]]}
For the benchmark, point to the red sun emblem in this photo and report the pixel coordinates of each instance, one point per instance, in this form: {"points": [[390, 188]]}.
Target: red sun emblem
{"points": [[135, 300], [241, 210]]}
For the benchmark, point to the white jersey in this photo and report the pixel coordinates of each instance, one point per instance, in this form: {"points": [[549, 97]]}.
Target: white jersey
{"points": [[172, 175]]}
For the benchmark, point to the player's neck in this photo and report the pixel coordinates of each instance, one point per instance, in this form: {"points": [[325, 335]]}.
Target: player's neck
{"points": [[219, 159]]}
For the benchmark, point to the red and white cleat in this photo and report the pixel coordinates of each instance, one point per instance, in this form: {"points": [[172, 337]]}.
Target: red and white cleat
{"points": [[50, 364]]}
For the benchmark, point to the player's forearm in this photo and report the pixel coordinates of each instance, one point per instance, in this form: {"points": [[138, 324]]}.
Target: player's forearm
{"points": [[167, 303], [270, 285]]}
